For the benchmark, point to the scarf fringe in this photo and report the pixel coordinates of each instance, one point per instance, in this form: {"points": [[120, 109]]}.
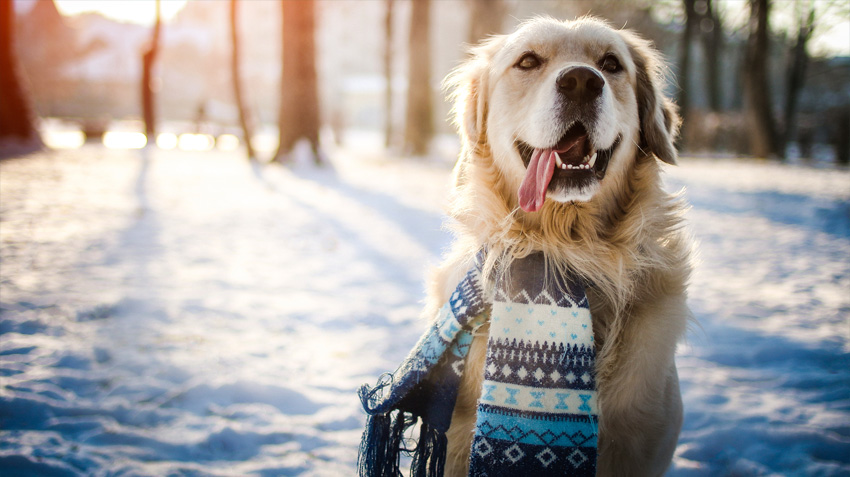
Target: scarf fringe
{"points": [[383, 443], [429, 460]]}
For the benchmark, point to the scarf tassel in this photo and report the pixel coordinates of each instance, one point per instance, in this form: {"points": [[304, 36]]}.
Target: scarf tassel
{"points": [[429, 459], [383, 443]]}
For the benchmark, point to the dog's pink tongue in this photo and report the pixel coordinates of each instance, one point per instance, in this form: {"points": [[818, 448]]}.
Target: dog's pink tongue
{"points": [[539, 172]]}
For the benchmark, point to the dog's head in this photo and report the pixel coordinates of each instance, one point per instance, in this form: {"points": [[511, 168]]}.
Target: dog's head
{"points": [[559, 107]]}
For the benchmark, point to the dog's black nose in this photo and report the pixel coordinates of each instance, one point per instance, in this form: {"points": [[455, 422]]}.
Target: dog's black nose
{"points": [[580, 84]]}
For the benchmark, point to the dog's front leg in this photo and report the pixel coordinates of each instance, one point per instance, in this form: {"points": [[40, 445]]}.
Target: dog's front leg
{"points": [[641, 406]]}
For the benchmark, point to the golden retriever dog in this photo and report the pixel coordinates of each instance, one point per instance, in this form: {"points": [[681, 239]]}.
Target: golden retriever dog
{"points": [[564, 126]]}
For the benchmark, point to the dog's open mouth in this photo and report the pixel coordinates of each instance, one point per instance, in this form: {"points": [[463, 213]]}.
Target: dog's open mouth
{"points": [[573, 162]]}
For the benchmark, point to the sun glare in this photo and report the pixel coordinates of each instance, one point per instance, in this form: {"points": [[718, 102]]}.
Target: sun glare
{"points": [[195, 142], [63, 139], [124, 140], [132, 11], [166, 141], [227, 142]]}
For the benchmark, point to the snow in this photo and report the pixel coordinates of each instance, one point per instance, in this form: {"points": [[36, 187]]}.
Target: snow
{"points": [[168, 312], [765, 376]]}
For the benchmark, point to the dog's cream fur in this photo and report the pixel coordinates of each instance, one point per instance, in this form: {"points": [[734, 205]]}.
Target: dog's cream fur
{"points": [[623, 237]]}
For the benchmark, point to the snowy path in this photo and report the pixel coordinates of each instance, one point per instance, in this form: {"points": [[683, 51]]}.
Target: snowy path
{"points": [[187, 314]]}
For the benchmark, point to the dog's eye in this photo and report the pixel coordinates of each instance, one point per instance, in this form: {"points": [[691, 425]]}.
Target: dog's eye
{"points": [[610, 64], [528, 61]]}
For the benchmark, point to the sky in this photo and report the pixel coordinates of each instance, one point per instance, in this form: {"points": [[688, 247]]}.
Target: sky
{"points": [[832, 36], [133, 11]]}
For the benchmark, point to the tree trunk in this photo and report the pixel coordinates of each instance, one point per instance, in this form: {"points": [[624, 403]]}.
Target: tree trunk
{"points": [[840, 139], [244, 120], [712, 38], [419, 124], [299, 96], [16, 115], [758, 110], [148, 59], [486, 18], [388, 74], [797, 76], [691, 21]]}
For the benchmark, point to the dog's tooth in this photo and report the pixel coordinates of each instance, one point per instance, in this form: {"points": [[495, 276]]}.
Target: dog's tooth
{"points": [[592, 160], [558, 160], [563, 166]]}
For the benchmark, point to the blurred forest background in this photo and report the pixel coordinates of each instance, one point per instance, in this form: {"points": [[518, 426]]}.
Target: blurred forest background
{"points": [[761, 78]]}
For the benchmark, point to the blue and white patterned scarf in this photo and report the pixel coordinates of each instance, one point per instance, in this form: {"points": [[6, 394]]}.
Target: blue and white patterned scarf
{"points": [[538, 411]]}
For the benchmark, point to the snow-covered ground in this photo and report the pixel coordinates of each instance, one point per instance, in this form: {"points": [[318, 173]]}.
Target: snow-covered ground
{"points": [[178, 313]]}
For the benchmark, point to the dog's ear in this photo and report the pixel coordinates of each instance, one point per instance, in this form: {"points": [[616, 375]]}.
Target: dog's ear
{"points": [[659, 118], [468, 90]]}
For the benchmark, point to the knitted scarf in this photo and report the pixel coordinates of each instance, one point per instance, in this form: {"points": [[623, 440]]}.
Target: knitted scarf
{"points": [[538, 411]]}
